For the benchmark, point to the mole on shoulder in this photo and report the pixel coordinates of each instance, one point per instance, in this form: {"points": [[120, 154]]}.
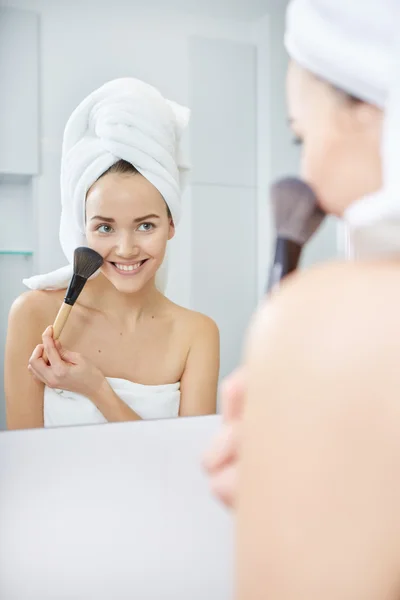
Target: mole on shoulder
{"points": [[99, 351]]}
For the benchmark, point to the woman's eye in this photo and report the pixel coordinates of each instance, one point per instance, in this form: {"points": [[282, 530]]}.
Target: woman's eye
{"points": [[104, 229], [146, 227]]}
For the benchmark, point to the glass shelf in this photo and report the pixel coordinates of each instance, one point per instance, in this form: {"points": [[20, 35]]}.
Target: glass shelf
{"points": [[16, 252]]}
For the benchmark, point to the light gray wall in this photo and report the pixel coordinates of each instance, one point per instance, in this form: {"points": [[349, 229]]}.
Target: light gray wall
{"points": [[19, 157], [158, 47], [224, 190]]}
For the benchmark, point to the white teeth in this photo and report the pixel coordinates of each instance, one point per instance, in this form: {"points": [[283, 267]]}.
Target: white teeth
{"points": [[128, 267]]}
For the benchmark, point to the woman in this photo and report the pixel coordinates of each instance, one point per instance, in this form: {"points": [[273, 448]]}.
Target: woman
{"points": [[318, 494], [127, 351]]}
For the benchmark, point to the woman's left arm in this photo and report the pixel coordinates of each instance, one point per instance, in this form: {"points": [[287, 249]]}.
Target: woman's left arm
{"points": [[199, 382]]}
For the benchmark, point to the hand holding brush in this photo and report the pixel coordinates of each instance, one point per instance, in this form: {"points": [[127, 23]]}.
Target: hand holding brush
{"points": [[86, 263]]}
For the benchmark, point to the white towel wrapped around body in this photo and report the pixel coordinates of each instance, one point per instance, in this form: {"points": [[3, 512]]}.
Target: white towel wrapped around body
{"points": [[356, 47], [63, 408], [123, 119]]}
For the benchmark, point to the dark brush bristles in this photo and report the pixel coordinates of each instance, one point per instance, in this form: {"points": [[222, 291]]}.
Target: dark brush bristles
{"points": [[296, 211], [86, 263]]}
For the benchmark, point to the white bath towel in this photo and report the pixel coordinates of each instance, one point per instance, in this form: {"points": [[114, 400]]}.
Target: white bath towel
{"points": [[63, 408], [356, 46], [123, 119]]}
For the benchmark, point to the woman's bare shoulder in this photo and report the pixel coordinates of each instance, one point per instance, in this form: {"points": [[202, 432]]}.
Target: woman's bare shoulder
{"points": [[36, 309], [355, 288], [340, 308], [193, 322]]}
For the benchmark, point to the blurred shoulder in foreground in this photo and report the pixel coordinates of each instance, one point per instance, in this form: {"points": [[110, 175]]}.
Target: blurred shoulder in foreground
{"points": [[318, 499]]}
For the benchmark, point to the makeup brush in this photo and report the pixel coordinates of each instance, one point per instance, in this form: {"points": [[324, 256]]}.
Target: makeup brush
{"points": [[86, 263], [297, 217]]}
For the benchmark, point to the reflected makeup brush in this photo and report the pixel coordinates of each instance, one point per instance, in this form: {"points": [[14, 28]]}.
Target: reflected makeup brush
{"points": [[297, 217], [86, 263]]}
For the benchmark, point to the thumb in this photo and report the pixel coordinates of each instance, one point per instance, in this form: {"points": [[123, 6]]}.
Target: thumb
{"points": [[70, 357]]}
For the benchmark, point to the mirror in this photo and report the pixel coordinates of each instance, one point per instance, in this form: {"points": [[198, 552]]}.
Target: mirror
{"points": [[227, 63]]}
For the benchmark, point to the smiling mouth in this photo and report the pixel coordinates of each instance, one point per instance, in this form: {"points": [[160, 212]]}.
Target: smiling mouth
{"points": [[131, 268]]}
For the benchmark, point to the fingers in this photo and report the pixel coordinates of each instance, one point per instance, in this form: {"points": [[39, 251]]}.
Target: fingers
{"points": [[51, 349], [232, 394], [66, 355], [37, 366], [37, 353], [224, 449], [224, 484], [32, 372], [72, 358], [221, 459], [40, 369]]}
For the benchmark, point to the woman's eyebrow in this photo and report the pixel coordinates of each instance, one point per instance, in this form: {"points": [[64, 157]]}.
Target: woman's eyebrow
{"points": [[137, 220], [100, 218], [152, 216]]}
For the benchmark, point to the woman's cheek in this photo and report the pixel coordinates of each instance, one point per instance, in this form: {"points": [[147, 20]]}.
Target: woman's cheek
{"points": [[101, 245], [317, 168], [155, 244]]}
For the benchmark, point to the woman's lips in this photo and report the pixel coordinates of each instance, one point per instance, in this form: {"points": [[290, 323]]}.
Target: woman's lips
{"points": [[129, 269]]}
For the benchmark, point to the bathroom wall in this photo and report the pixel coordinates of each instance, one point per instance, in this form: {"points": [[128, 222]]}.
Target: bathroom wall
{"points": [[19, 158], [208, 63], [226, 62]]}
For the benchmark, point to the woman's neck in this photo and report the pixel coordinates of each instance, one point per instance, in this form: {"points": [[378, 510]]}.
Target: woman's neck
{"points": [[127, 308]]}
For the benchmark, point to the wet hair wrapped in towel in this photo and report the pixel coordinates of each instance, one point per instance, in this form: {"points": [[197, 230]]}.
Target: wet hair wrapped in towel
{"points": [[124, 119]]}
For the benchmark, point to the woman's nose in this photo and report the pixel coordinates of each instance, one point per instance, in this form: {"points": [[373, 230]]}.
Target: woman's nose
{"points": [[127, 247]]}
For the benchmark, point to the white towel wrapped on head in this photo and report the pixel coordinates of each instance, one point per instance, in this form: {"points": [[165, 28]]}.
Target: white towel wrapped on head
{"points": [[355, 45], [346, 43], [123, 119]]}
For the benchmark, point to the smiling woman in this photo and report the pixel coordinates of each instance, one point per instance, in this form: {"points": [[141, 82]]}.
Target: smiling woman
{"points": [[129, 224], [128, 352]]}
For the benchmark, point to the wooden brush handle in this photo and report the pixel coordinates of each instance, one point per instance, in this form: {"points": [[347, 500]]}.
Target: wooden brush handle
{"points": [[59, 323], [61, 320]]}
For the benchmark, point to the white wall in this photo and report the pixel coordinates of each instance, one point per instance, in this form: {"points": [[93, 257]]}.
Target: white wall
{"points": [[81, 48]]}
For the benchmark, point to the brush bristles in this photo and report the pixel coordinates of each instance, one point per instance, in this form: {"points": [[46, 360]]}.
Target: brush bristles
{"points": [[296, 211], [86, 262]]}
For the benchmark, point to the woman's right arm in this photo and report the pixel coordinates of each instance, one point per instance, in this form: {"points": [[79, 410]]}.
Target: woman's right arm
{"points": [[24, 395]]}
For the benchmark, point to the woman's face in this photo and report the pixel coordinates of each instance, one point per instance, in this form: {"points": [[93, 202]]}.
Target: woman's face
{"points": [[128, 224], [340, 139]]}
